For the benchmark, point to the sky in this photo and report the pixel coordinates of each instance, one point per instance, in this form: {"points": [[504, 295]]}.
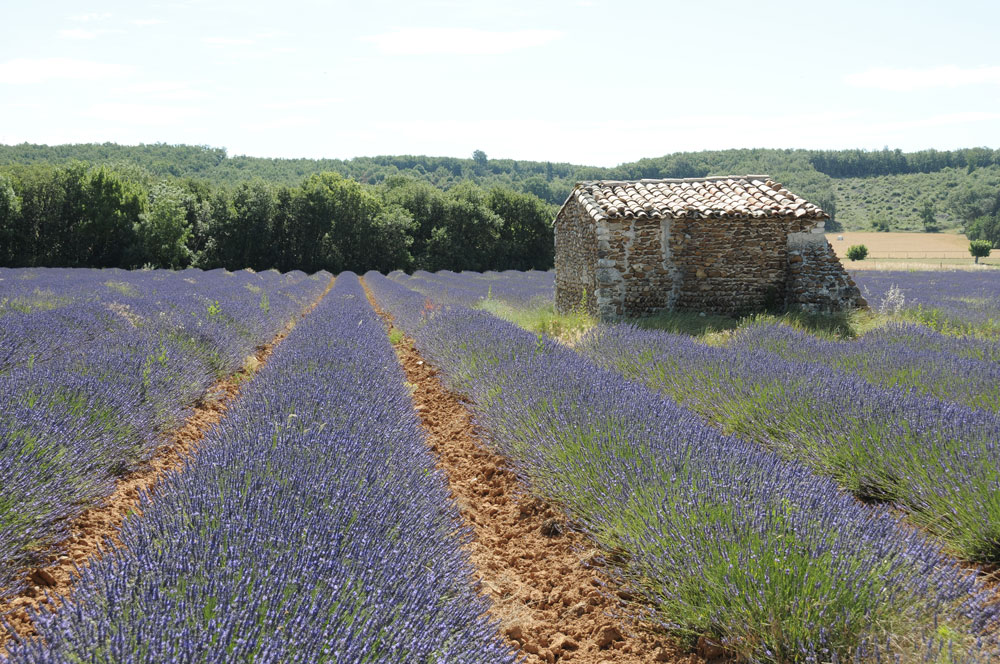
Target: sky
{"points": [[594, 82]]}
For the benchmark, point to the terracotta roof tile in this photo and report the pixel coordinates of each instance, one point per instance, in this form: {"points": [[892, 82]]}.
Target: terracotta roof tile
{"points": [[712, 197]]}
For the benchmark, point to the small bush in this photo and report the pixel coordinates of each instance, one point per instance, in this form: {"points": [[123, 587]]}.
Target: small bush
{"points": [[857, 252], [880, 223], [980, 249]]}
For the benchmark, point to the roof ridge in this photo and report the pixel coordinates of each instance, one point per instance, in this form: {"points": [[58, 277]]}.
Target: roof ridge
{"points": [[707, 178], [706, 197]]}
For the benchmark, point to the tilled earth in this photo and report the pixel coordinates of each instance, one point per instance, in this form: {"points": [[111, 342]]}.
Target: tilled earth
{"points": [[552, 601]]}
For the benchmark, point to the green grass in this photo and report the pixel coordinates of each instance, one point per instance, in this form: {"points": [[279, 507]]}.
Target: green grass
{"points": [[542, 318], [944, 323], [42, 300], [716, 329], [126, 289]]}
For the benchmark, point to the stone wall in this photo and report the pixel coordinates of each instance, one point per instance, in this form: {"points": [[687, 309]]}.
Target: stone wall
{"points": [[635, 276], [575, 258], [733, 265], [817, 281]]}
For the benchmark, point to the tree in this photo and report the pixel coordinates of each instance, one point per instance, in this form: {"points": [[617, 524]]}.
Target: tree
{"points": [[481, 160], [251, 231], [111, 207], [857, 252], [212, 254], [980, 249], [41, 232], [929, 217], [468, 236], [427, 204], [974, 200], [525, 240], [335, 215], [10, 217], [389, 240], [986, 227], [163, 232], [880, 223]]}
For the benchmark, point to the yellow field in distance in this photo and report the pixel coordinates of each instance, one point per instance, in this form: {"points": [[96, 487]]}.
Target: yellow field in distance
{"points": [[925, 251]]}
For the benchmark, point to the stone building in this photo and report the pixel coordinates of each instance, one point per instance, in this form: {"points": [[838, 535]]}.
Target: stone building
{"points": [[729, 245]]}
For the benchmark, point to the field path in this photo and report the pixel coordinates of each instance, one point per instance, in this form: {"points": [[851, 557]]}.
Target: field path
{"points": [[552, 605], [95, 532]]}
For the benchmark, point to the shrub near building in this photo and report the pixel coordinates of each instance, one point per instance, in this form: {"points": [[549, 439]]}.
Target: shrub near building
{"points": [[857, 252]]}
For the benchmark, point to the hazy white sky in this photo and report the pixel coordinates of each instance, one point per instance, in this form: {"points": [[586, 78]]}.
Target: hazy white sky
{"points": [[589, 81]]}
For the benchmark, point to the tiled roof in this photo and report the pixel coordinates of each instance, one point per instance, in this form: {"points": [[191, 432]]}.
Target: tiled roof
{"points": [[710, 197]]}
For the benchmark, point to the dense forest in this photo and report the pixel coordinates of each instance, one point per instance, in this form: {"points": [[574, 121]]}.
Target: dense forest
{"points": [[79, 215], [177, 205]]}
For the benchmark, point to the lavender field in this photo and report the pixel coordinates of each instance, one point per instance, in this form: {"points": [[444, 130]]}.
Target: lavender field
{"points": [[795, 494]]}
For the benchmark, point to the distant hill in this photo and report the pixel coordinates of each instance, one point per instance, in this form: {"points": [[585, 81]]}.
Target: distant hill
{"points": [[858, 187]]}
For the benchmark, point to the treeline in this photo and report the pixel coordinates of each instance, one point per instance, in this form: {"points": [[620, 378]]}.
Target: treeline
{"points": [[550, 181], [862, 190], [79, 215], [863, 163]]}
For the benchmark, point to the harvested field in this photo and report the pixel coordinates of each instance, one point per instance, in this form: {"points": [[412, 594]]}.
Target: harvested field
{"points": [[919, 251]]}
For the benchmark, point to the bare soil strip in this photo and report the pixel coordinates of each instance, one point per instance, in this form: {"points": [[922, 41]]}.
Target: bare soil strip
{"points": [[93, 531], [552, 600]]}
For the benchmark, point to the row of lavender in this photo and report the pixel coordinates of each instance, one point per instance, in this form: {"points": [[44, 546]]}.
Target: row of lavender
{"points": [[905, 413], [469, 288], [937, 459], [311, 527], [955, 300], [912, 357], [718, 535], [96, 364]]}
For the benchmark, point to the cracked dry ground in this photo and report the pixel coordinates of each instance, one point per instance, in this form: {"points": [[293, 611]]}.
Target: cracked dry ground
{"points": [[552, 606], [95, 531]]}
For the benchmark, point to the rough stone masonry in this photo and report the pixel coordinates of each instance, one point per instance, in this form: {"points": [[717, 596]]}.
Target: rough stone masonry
{"points": [[728, 245]]}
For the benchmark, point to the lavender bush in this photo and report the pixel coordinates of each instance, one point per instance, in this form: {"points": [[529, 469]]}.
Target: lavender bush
{"points": [[311, 527], [956, 300], [938, 460], [96, 364], [719, 536], [470, 288], [905, 355]]}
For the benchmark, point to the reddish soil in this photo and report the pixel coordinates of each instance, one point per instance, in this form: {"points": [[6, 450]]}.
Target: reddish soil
{"points": [[553, 602], [95, 532]]}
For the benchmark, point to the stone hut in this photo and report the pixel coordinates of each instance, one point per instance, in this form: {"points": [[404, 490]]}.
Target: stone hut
{"points": [[728, 245]]}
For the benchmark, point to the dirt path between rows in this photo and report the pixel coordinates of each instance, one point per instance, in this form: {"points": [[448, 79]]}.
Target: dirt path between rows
{"points": [[92, 530], [552, 606]]}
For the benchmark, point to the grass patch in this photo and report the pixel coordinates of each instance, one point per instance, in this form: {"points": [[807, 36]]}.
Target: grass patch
{"points": [[946, 323], [126, 289], [542, 318], [42, 300], [837, 326], [716, 329], [395, 336]]}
